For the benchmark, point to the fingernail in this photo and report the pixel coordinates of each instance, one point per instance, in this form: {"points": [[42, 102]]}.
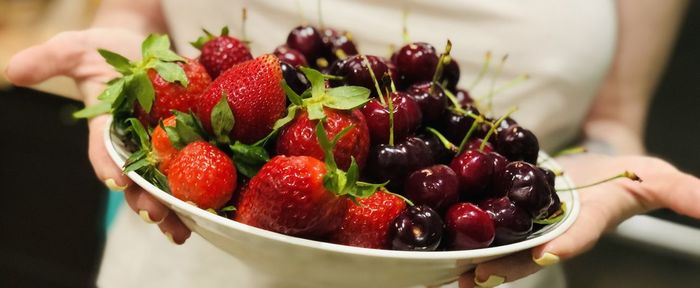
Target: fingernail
{"points": [[112, 185], [146, 217], [546, 259], [170, 237], [493, 281]]}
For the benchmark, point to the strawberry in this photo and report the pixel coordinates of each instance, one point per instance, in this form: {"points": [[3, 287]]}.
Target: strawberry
{"points": [[220, 53], [163, 149], [298, 137], [367, 224], [174, 96], [162, 81], [299, 195], [202, 174], [254, 94]]}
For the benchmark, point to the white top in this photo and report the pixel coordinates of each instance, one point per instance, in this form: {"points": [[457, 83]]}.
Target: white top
{"points": [[566, 48]]}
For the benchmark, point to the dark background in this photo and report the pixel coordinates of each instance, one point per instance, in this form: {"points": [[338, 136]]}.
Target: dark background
{"points": [[52, 206]]}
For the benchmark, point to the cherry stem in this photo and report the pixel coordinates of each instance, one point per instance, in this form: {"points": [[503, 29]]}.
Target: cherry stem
{"points": [[475, 124], [571, 151], [453, 99], [489, 97], [482, 72], [493, 128], [391, 80], [444, 59], [626, 174], [391, 119], [448, 145], [516, 81], [404, 27], [374, 79], [244, 19]]}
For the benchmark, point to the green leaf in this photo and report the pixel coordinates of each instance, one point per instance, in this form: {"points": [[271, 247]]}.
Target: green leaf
{"points": [[113, 90], [346, 97], [318, 82], [555, 218], [160, 180], [291, 112], [140, 133], [121, 97], [94, 110], [185, 131], [326, 146], [171, 72], [228, 209], [168, 56], [364, 190], [154, 42], [315, 111], [249, 158], [136, 165], [119, 62], [293, 96], [222, 120], [341, 134], [224, 31], [353, 173], [142, 88]]}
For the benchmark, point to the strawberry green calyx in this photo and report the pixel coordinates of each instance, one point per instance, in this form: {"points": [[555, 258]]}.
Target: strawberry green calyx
{"points": [[342, 183], [222, 120], [340, 98], [134, 84], [208, 36], [143, 161], [187, 129]]}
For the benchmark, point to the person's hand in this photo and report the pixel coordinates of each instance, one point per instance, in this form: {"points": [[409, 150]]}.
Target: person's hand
{"points": [[74, 54], [602, 208]]}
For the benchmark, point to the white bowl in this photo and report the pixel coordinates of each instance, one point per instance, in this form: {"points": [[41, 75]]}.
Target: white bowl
{"points": [[285, 261]]}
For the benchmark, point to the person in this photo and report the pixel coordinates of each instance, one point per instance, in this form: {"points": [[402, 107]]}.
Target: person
{"points": [[593, 71]]}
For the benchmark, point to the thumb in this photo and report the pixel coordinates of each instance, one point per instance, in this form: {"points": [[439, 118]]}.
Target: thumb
{"points": [[57, 56]]}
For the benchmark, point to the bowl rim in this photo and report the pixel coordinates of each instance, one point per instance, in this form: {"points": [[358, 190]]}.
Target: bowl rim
{"points": [[169, 200]]}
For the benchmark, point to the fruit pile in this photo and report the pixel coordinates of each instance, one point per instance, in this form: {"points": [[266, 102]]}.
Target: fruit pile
{"points": [[318, 141]]}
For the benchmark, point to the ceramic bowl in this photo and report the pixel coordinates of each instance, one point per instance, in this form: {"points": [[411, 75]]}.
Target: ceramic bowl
{"points": [[285, 261]]}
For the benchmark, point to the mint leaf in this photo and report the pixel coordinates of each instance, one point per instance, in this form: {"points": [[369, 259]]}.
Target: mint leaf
{"points": [[248, 158], [141, 86], [154, 42], [119, 62], [94, 110], [222, 120], [346, 97], [293, 96], [171, 72], [315, 111], [318, 82]]}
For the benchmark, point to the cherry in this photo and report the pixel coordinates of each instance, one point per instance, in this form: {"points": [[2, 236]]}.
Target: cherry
{"points": [[455, 123], [435, 186], [512, 223], [441, 154], [475, 144], [463, 97], [505, 124], [468, 227], [393, 163], [290, 56], [431, 99], [450, 76], [356, 73], [407, 117], [307, 40], [527, 187], [295, 79], [475, 170], [517, 143], [338, 45], [415, 62], [549, 174], [417, 228]]}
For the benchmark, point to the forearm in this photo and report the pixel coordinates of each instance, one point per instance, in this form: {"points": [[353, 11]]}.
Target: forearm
{"points": [[143, 16], [646, 33]]}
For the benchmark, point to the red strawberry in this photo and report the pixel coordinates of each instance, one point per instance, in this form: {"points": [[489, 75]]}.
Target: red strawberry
{"points": [[172, 95], [288, 196], [298, 137], [220, 53], [367, 225], [202, 174], [163, 149], [254, 95]]}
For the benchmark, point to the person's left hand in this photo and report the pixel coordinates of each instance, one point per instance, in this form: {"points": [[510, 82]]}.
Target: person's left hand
{"points": [[603, 207]]}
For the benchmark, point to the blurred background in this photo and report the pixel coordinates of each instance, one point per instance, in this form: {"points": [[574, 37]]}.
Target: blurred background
{"points": [[53, 209]]}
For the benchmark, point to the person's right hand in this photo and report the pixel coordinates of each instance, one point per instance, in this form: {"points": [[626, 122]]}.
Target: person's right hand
{"points": [[74, 54]]}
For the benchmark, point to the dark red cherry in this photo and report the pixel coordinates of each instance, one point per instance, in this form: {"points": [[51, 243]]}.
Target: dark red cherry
{"points": [[431, 99], [468, 227], [450, 75], [517, 143], [475, 170], [527, 187], [475, 144], [435, 186], [407, 117], [290, 56], [512, 223], [464, 97], [455, 124], [356, 72], [338, 45], [393, 163], [505, 124], [295, 79], [415, 62], [441, 154], [308, 41], [550, 176], [418, 228]]}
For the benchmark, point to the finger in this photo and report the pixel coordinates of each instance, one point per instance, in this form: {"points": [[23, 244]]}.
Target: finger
{"points": [[467, 280], [147, 206], [57, 56], [105, 169], [174, 229], [678, 191], [506, 269]]}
